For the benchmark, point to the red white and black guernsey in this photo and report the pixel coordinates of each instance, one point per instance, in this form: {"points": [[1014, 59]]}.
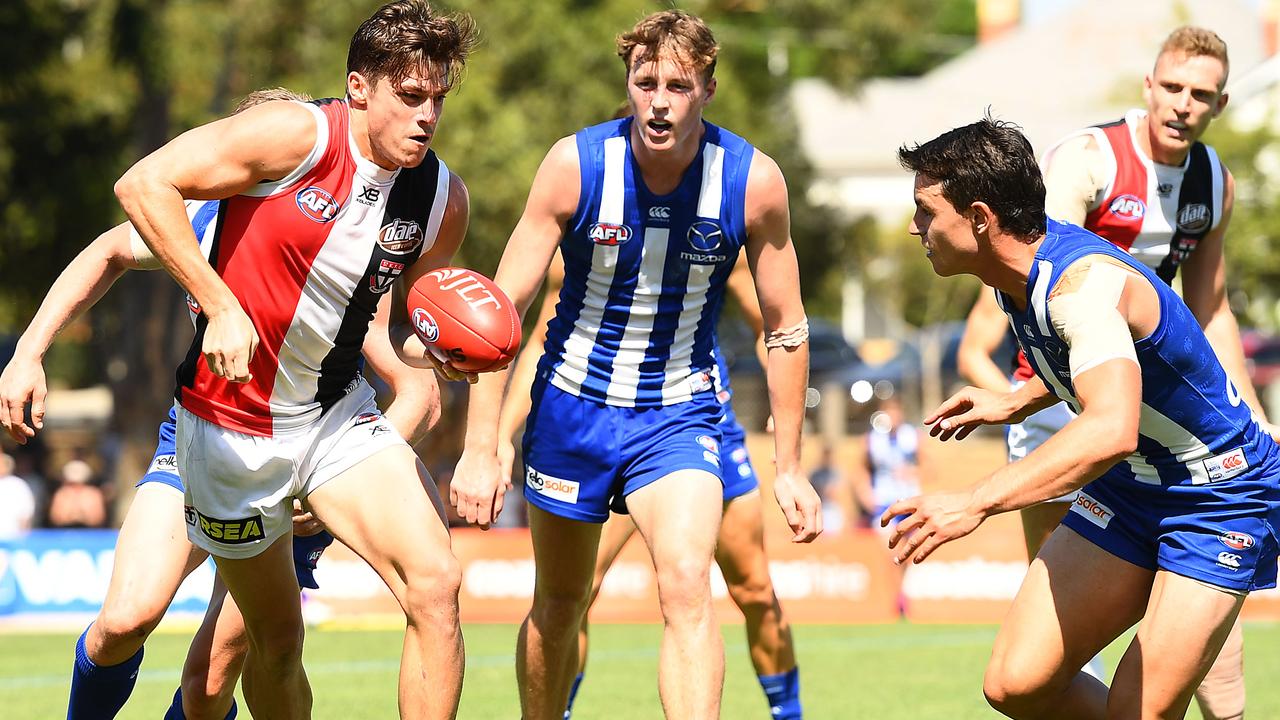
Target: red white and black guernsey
{"points": [[309, 257]]}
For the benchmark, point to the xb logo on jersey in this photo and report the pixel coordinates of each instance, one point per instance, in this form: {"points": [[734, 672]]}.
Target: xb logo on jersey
{"points": [[704, 238], [317, 204]]}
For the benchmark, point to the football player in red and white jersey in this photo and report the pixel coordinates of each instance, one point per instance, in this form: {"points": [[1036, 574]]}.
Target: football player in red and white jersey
{"points": [[1147, 184], [323, 208]]}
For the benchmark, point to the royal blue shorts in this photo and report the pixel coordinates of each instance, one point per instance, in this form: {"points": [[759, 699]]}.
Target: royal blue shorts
{"points": [[735, 465], [582, 458], [164, 469], [1221, 533]]}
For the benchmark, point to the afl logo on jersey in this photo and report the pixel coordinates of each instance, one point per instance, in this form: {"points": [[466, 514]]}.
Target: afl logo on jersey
{"points": [[317, 204], [400, 236], [1128, 207], [609, 234], [426, 325], [1193, 218]]}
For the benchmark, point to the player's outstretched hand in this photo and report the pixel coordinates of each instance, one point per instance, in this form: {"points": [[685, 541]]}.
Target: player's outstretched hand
{"points": [[477, 488], [21, 384], [506, 460], [305, 524], [965, 411], [800, 505], [931, 521], [449, 372], [230, 341]]}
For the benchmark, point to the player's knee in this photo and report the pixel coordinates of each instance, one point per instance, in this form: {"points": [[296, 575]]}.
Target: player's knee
{"points": [[204, 698], [684, 585], [277, 645], [754, 596], [127, 622], [431, 590], [1012, 692], [560, 607]]}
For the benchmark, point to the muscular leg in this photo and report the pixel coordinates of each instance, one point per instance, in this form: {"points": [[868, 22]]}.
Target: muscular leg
{"points": [[214, 660], [546, 649], [1221, 694], [266, 592], [1185, 625], [1039, 522], [1076, 599], [386, 511], [618, 529], [152, 557], [679, 516], [741, 555]]}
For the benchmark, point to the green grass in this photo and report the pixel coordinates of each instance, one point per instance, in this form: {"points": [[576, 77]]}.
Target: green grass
{"points": [[916, 671]]}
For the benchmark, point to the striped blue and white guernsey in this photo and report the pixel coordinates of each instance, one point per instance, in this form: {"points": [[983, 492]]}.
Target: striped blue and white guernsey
{"points": [[1194, 429], [645, 274]]}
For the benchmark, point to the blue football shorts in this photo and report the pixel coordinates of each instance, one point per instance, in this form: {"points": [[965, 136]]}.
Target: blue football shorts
{"points": [[735, 465], [582, 458]]}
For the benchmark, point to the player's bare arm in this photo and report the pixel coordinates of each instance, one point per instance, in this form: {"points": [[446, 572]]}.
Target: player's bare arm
{"points": [[516, 404], [211, 162], [1204, 289], [78, 287], [984, 330], [1098, 329], [959, 415], [476, 490], [772, 257], [453, 228], [415, 400], [1075, 178]]}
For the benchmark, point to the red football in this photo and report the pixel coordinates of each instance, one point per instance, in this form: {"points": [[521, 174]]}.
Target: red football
{"points": [[464, 318]]}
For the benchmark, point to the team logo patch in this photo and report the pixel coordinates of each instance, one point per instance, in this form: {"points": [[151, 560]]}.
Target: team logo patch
{"points": [[1128, 207], [1193, 218], [317, 204], [400, 236], [659, 213], [367, 417], [1092, 510], [609, 234], [385, 276], [167, 464], [1231, 561], [711, 457], [228, 532], [739, 455], [1227, 465], [1236, 540], [426, 325], [552, 487], [709, 443]]}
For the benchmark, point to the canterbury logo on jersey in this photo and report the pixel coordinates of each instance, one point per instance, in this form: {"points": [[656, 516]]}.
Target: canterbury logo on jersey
{"points": [[400, 236], [317, 204], [1227, 465], [232, 532]]}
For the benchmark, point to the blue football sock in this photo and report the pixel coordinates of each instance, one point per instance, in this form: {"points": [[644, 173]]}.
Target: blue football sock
{"points": [[783, 691], [175, 709], [573, 695], [98, 692]]}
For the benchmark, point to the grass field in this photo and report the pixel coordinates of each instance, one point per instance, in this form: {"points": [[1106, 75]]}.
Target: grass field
{"points": [[909, 671]]}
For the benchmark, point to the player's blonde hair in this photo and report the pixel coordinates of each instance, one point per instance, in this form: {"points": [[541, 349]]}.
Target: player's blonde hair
{"points": [[685, 36], [1194, 41], [265, 95]]}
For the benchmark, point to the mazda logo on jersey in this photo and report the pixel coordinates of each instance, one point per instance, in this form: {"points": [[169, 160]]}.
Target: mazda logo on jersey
{"points": [[704, 238], [400, 236], [425, 325], [1193, 218], [385, 276], [317, 204], [609, 234], [1128, 207]]}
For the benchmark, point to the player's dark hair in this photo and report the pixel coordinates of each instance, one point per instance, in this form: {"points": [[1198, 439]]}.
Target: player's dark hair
{"points": [[990, 161], [408, 36]]}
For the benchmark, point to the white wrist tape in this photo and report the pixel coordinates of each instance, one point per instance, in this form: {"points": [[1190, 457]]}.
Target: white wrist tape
{"points": [[788, 337], [142, 255], [1090, 322]]}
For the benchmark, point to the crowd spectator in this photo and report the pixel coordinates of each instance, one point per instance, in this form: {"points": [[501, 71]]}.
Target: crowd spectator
{"points": [[77, 503], [17, 501]]}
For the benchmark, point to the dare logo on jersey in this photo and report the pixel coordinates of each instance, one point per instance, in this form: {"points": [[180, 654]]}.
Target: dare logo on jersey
{"points": [[1193, 218], [317, 204], [609, 234], [1128, 207], [400, 236], [1236, 540]]}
